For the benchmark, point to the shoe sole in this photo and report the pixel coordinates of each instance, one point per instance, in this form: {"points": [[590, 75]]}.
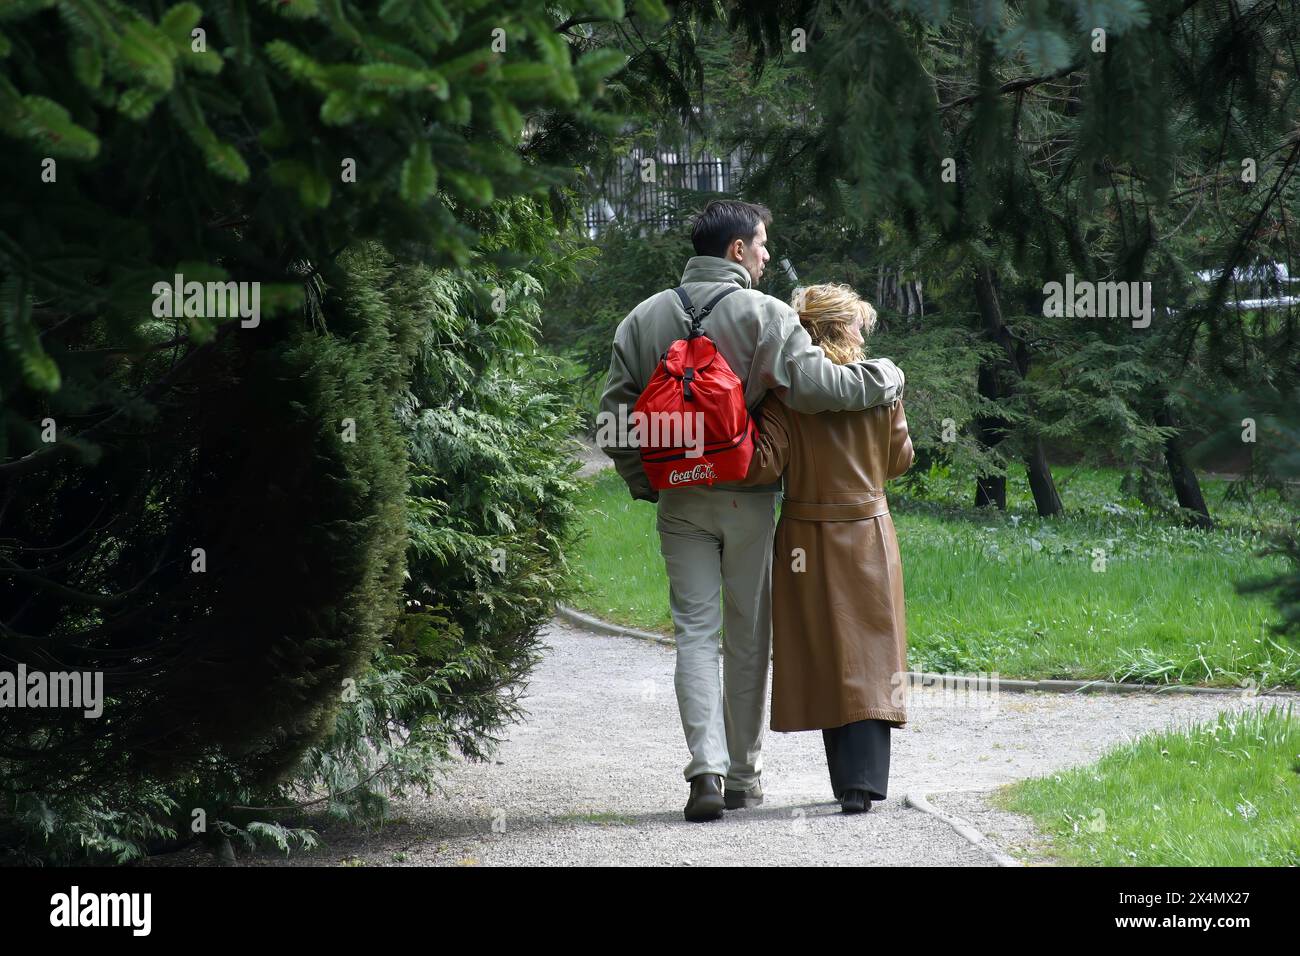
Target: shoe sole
{"points": [[703, 811], [742, 802]]}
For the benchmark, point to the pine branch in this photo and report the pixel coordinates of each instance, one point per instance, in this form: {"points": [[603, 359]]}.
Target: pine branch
{"points": [[1015, 86]]}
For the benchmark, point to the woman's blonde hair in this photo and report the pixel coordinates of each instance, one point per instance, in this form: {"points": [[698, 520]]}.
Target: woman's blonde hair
{"points": [[827, 311]]}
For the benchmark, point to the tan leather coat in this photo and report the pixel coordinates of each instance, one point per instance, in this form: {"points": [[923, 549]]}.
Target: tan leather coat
{"points": [[839, 634]]}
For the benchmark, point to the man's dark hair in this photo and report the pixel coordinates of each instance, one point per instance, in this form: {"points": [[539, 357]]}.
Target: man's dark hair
{"points": [[722, 222]]}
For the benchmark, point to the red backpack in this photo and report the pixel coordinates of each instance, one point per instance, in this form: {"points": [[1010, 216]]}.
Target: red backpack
{"points": [[692, 377]]}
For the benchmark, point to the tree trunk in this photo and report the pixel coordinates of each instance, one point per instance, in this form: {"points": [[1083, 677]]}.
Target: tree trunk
{"points": [[1046, 497], [897, 295], [1186, 485], [994, 383], [989, 431]]}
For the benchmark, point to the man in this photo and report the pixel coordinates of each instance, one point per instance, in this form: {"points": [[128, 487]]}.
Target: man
{"points": [[718, 539]]}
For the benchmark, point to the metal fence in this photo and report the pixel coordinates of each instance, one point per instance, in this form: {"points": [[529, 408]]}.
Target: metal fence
{"points": [[656, 188]]}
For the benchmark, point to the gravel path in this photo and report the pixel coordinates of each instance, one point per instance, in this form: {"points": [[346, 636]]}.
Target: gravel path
{"points": [[593, 777], [591, 459]]}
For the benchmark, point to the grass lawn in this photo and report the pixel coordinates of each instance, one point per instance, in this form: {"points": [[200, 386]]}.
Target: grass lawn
{"points": [[1019, 595], [1219, 793]]}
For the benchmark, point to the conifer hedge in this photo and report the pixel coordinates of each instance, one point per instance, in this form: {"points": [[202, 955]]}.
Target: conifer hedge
{"points": [[214, 511]]}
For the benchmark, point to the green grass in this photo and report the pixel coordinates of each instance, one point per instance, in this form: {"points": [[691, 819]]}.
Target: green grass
{"points": [[1016, 594], [1219, 793], [621, 572]]}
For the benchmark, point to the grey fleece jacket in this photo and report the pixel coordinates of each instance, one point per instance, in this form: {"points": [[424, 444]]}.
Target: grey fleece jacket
{"points": [[762, 340]]}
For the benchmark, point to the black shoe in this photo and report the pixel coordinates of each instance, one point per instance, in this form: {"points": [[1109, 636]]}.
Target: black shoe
{"points": [[855, 801], [740, 799], [706, 801]]}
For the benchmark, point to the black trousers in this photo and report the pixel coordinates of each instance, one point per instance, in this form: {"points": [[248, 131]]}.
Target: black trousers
{"points": [[857, 756]]}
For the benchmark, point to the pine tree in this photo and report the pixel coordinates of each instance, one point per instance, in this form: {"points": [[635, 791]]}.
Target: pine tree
{"points": [[1015, 142], [212, 509]]}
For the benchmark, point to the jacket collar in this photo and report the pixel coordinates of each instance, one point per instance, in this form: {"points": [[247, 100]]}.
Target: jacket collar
{"points": [[713, 269]]}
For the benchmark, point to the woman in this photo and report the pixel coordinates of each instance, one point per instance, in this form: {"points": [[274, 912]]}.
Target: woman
{"points": [[839, 639]]}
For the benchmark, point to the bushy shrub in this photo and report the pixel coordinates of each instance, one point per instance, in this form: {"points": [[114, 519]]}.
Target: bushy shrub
{"points": [[233, 557], [431, 588], [490, 513]]}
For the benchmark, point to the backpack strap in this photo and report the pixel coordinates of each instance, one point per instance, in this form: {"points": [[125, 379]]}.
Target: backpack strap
{"points": [[696, 320], [686, 302]]}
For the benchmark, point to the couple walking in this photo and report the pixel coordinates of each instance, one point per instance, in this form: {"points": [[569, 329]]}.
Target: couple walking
{"points": [[821, 593]]}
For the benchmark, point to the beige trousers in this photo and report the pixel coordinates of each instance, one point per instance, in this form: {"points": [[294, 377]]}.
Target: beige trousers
{"points": [[717, 547]]}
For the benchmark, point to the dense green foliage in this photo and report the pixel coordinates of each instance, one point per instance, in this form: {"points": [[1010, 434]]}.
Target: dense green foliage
{"points": [[489, 515], [459, 474], [303, 448], [997, 147], [222, 672]]}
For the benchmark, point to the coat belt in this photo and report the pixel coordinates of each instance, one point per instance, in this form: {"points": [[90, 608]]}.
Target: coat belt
{"points": [[834, 510]]}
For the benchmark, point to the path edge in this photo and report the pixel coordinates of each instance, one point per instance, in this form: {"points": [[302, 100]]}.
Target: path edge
{"points": [[574, 616], [982, 682], [918, 800]]}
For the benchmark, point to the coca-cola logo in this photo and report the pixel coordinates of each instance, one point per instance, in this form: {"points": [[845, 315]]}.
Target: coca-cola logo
{"points": [[701, 472]]}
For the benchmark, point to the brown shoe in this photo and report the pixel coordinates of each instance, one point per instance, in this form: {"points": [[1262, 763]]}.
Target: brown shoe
{"points": [[740, 799], [706, 801]]}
